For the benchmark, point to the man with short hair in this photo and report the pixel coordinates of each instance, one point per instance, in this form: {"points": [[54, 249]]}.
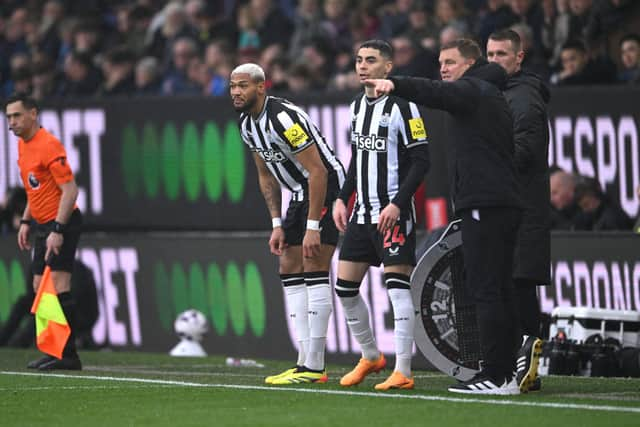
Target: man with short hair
{"points": [[51, 212], [389, 159], [564, 211], [485, 191], [289, 151], [528, 96]]}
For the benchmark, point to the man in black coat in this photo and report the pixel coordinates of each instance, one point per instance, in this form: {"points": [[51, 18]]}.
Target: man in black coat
{"points": [[528, 96], [484, 188]]}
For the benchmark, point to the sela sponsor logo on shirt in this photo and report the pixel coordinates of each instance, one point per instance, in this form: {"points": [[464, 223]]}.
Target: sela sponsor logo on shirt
{"points": [[369, 142], [271, 156], [33, 181], [296, 135]]}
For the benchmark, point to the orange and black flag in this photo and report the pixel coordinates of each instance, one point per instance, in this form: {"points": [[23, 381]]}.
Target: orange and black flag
{"points": [[52, 328]]}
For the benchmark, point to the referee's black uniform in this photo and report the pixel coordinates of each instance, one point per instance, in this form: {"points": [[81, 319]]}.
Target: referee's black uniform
{"points": [[485, 195]]}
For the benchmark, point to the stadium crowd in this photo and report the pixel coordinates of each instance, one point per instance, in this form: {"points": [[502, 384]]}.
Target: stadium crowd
{"points": [[102, 48]]}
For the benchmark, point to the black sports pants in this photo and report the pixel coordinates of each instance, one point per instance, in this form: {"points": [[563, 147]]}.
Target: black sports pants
{"points": [[488, 242]]}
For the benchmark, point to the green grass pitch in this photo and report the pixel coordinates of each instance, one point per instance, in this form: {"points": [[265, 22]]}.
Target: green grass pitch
{"points": [[143, 389]]}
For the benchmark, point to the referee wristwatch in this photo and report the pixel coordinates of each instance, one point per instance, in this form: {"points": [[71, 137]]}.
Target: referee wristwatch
{"points": [[58, 227]]}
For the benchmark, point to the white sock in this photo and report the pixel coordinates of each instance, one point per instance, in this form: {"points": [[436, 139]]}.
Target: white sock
{"points": [[295, 291], [404, 321], [320, 308], [357, 314]]}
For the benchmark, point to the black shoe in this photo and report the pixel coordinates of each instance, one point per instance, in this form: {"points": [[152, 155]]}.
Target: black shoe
{"points": [[536, 385], [527, 361], [66, 363], [35, 364], [483, 384]]}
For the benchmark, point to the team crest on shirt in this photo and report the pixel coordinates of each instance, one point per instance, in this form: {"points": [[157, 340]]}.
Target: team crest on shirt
{"points": [[33, 181], [384, 120]]}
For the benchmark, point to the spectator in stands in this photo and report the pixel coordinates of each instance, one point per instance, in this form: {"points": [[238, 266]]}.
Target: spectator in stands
{"points": [[81, 78], [411, 60], [147, 76], [450, 33], [176, 80], [48, 40], [21, 79], [451, 12], [307, 24], [318, 56], [247, 28], [579, 13], [272, 23], [530, 13], [564, 208], [497, 16], [422, 28], [87, 38], [219, 60], [300, 79], [174, 27], [555, 30], [44, 80], [599, 212], [630, 59], [578, 69], [198, 75], [363, 23], [279, 75], [336, 23], [117, 68], [534, 60], [140, 19], [395, 18], [211, 24]]}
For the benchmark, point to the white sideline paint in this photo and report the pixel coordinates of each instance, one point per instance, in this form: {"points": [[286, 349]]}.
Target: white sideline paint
{"points": [[578, 406]]}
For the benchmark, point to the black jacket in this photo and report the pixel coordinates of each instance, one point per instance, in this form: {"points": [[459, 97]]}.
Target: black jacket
{"points": [[528, 96], [480, 128]]}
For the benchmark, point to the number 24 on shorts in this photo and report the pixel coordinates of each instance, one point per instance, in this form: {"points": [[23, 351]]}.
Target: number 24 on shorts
{"points": [[393, 236]]}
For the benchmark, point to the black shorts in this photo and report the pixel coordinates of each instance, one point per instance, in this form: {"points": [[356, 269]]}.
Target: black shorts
{"points": [[295, 221], [397, 246], [64, 260]]}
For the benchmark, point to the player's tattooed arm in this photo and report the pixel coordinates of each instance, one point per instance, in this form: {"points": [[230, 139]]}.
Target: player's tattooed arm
{"points": [[269, 187]]}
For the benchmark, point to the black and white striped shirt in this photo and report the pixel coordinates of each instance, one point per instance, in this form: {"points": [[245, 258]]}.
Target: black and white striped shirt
{"points": [[280, 132], [382, 132]]}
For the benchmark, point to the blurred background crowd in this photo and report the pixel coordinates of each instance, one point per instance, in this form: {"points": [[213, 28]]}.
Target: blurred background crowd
{"points": [[102, 48]]}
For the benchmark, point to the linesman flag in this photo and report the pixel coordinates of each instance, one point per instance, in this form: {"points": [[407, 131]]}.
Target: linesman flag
{"points": [[52, 329]]}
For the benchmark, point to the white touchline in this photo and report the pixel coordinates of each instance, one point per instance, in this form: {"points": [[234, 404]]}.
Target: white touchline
{"points": [[339, 392]]}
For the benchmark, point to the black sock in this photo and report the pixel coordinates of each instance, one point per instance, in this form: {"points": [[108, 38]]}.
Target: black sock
{"points": [[69, 308]]}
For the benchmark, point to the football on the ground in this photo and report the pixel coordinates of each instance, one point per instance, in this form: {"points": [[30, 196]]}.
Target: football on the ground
{"points": [[191, 324]]}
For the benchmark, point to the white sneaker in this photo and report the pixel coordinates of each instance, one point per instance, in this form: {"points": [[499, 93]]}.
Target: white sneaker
{"points": [[482, 384]]}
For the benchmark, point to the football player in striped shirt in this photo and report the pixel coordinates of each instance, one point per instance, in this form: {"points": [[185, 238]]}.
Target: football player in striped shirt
{"points": [[389, 160], [290, 152]]}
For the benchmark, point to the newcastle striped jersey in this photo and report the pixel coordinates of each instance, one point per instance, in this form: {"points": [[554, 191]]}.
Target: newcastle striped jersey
{"points": [[382, 132], [280, 132]]}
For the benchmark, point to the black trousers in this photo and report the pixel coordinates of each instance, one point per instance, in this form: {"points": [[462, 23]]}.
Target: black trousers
{"points": [[488, 242]]}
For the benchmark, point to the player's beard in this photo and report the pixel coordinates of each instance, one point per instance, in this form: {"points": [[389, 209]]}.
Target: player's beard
{"points": [[248, 105]]}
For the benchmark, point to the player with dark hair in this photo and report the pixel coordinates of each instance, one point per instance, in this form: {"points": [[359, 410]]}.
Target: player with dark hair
{"points": [[51, 213], [389, 159]]}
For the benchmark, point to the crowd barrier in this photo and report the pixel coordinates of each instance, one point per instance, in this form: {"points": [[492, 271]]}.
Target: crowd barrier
{"points": [[145, 279], [179, 163]]}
